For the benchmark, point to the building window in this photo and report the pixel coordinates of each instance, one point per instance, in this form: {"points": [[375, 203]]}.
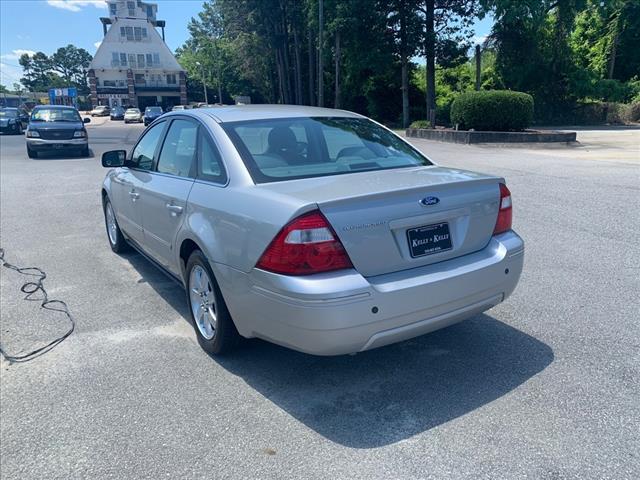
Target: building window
{"points": [[123, 32], [140, 60], [156, 59], [171, 79], [109, 83], [129, 33], [149, 11], [132, 8], [138, 34], [115, 59], [144, 32], [123, 59], [113, 9], [139, 79], [132, 60]]}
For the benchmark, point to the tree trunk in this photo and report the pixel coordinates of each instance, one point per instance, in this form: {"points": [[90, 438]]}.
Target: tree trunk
{"points": [[298, 67], [336, 103], [430, 62], [312, 73], [404, 64], [478, 67], [320, 47]]}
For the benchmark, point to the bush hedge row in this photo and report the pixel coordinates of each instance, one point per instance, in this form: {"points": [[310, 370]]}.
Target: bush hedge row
{"points": [[493, 110]]}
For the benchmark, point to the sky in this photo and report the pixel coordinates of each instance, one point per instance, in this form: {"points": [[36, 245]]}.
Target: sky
{"points": [[28, 26]]}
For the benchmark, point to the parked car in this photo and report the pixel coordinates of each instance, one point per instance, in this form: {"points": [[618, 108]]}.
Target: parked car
{"points": [[151, 113], [117, 113], [100, 111], [132, 115], [176, 108], [57, 128], [13, 120], [313, 228]]}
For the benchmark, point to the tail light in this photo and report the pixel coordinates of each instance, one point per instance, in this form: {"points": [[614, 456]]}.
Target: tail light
{"points": [[306, 245], [503, 223]]}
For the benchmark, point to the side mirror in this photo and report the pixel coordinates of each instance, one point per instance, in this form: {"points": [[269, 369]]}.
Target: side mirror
{"points": [[114, 158], [86, 120]]}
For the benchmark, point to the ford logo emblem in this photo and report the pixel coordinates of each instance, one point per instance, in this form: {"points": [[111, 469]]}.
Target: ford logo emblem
{"points": [[427, 201]]}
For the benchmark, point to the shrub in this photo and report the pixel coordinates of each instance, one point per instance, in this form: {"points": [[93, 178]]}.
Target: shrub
{"points": [[493, 110], [420, 124]]}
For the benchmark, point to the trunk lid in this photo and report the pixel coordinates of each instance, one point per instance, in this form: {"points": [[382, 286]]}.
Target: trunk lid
{"points": [[379, 216]]}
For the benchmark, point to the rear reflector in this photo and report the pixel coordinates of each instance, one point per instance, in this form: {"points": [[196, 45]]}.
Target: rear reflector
{"points": [[503, 223], [306, 245]]}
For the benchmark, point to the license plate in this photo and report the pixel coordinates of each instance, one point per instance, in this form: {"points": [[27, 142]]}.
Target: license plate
{"points": [[429, 239], [58, 145]]}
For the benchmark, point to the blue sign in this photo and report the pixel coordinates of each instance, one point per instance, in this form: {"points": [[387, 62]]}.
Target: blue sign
{"points": [[63, 96]]}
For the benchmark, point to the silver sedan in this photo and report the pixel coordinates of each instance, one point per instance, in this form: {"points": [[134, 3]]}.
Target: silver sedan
{"points": [[312, 228]]}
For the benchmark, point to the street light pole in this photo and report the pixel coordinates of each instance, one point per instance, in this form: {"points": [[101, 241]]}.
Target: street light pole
{"points": [[204, 85]]}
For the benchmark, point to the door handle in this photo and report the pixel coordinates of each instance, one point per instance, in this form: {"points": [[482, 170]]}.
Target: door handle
{"points": [[134, 195], [174, 209]]}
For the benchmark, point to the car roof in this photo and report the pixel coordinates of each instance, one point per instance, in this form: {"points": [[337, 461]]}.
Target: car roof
{"points": [[38, 107], [239, 113]]}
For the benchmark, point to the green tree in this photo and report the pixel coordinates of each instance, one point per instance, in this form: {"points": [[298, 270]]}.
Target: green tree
{"points": [[447, 25], [73, 64]]}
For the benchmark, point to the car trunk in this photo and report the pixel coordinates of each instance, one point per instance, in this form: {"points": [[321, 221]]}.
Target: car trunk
{"points": [[403, 218]]}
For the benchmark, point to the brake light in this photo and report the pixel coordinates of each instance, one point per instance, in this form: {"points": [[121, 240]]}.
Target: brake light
{"points": [[306, 245], [503, 223]]}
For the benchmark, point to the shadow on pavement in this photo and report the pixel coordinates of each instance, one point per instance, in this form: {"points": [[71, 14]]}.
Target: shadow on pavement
{"points": [[383, 396]]}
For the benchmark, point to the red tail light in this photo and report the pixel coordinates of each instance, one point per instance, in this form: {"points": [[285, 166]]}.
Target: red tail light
{"points": [[503, 223], [306, 245]]}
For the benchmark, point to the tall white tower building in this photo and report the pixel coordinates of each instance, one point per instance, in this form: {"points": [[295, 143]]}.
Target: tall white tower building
{"points": [[133, 65]]}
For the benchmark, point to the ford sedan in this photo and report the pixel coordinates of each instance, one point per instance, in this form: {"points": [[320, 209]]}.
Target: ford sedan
{"points": [[316, 229]]}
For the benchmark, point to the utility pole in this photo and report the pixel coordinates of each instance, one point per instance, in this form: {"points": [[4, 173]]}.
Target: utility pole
{"points": [[320, 66], [204, 85]]}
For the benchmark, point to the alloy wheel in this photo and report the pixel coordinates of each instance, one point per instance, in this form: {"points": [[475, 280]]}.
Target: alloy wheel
{"points": [[203, 302]]}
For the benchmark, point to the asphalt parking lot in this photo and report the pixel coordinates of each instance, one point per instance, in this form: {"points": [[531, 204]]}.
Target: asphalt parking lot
{"points": [[543, 386]]}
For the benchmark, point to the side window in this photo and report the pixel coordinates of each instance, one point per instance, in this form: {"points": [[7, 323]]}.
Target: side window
{"points": [[142, 156], [210, 166], [179, 148]]}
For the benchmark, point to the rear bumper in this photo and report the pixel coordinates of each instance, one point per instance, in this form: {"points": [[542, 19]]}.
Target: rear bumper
{"points": [[39, 145], [344, 312]]}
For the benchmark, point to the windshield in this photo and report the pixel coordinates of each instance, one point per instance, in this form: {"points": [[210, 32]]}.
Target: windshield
{"points": [[55, 115], [153, 110], [9, 113], [284, 149]]}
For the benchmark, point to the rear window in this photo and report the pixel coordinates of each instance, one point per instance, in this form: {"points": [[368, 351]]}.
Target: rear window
{"points": [[55, 115], [285, 149]]}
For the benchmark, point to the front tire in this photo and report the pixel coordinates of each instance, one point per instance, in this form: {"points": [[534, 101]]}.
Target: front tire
{"points": [[216, 332], [116, 239], [32, 153], [84, 152]]}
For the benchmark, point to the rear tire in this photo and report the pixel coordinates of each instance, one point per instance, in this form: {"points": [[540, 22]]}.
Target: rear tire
{"points": [[216, 332], [116, 239], [32, 153]]}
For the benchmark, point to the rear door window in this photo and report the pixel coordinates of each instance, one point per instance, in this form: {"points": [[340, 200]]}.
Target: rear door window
{"points": [[210, 166]]}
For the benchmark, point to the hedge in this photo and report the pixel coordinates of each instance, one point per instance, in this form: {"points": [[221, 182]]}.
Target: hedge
{"points": [[420, 124], [492, 110]]}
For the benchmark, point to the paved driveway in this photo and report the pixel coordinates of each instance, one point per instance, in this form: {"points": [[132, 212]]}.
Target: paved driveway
{"points": [[545, 385]]}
